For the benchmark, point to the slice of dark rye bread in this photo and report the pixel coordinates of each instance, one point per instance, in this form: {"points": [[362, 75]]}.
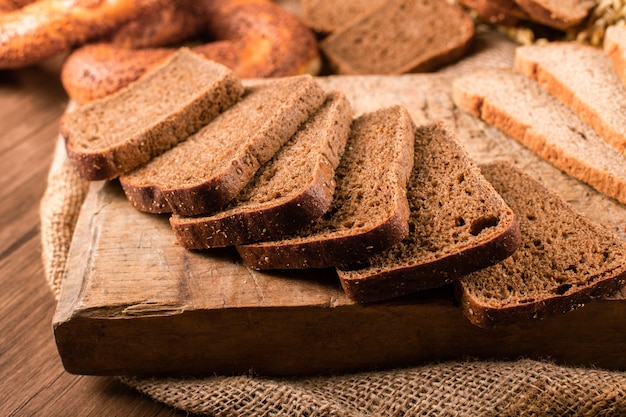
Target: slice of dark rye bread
{"points": [[582, 77], [118, 133], [400, 36], [458, 224], [291, 190], [369, 212], [564, 262], [212, 166], [521, 108]]}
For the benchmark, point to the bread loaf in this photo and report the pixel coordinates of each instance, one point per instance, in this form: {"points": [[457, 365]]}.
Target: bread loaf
{"points": [[458, 224], [564, 261], [519, 106], [291, 190], [400, 36], [114, 135], [583, 78], [369, 212], [209, 169]]}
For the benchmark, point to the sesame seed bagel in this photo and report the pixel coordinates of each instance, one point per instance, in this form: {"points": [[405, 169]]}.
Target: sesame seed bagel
{"points": [[44, 28]]}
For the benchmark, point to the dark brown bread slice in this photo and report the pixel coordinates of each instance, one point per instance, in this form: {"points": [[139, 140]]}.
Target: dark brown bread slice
{"points": [[458, 224], [209, 169], [558, 14], [615, 48], [583, 78], [400, 36], [369, 212], [521, 108], [116, 134], [564, 262], [326, 16], [291, 190]]}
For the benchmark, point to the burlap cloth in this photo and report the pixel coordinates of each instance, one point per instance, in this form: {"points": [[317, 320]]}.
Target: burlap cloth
{"points": [[461, 388]]}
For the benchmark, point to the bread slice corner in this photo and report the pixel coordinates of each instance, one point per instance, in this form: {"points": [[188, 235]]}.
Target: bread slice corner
{"points": [[115, 134], [369, 212], [290, 191], [458, 224], [564, 262]]}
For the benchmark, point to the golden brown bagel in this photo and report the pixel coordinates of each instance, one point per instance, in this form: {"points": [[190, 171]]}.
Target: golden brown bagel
{"points": [[44, 28], [255, 38], [6, 5]]}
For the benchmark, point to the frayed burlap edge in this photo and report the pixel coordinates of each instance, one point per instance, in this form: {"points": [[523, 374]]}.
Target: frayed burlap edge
{"points": [[461, 388]]}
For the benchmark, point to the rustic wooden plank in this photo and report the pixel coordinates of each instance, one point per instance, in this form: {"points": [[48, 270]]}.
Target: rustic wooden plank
{"points": [[135, 302]]}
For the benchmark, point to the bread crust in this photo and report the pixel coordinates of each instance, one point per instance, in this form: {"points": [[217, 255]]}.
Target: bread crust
{"points": [[335, 245], [546, 302], [347, 56], [255, 38], [614, 47], [531, 61], [402, 272], [98, 163], [602, 174], [296, 98], [331, 251], [245, 222]]}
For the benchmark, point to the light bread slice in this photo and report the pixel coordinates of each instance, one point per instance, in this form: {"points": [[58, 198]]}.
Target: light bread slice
{"points": [[400, 36], [614, 46], [369, 212], [210, 168], [558, 14], [582, 77], [458, 224], [291, 190], [113, 135], [564, 262], [519, 106]]}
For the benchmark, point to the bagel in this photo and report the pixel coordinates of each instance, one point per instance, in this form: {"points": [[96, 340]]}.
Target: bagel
{"points": [[255, 38], [7, 5], [44, 28]]}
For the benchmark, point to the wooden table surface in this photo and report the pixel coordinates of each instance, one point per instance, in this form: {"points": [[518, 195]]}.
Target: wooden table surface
{"points": [[33, 381]]}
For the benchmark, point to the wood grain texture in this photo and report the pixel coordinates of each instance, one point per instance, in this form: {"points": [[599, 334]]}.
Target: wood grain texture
{"points": [[134, 302]]}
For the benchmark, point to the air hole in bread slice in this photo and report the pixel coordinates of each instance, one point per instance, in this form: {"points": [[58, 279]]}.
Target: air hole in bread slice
{"points": [[562, 289], [482, 223]]}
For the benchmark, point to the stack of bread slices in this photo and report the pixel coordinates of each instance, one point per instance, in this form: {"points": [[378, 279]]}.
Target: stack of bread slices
{"points": [[286, 173]]}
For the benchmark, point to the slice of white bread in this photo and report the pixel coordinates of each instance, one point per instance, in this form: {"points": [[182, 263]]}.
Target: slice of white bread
{"points": [[458, 224], [291, 190], [582, 77], [564, 262], [519, 106], [558, 14], [211, 167], [400, 36], [614, 46], [113, 135], [369, 212]]}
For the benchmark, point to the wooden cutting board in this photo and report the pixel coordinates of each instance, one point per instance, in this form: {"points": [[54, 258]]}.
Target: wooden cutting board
{"points": [[135, 302]]}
